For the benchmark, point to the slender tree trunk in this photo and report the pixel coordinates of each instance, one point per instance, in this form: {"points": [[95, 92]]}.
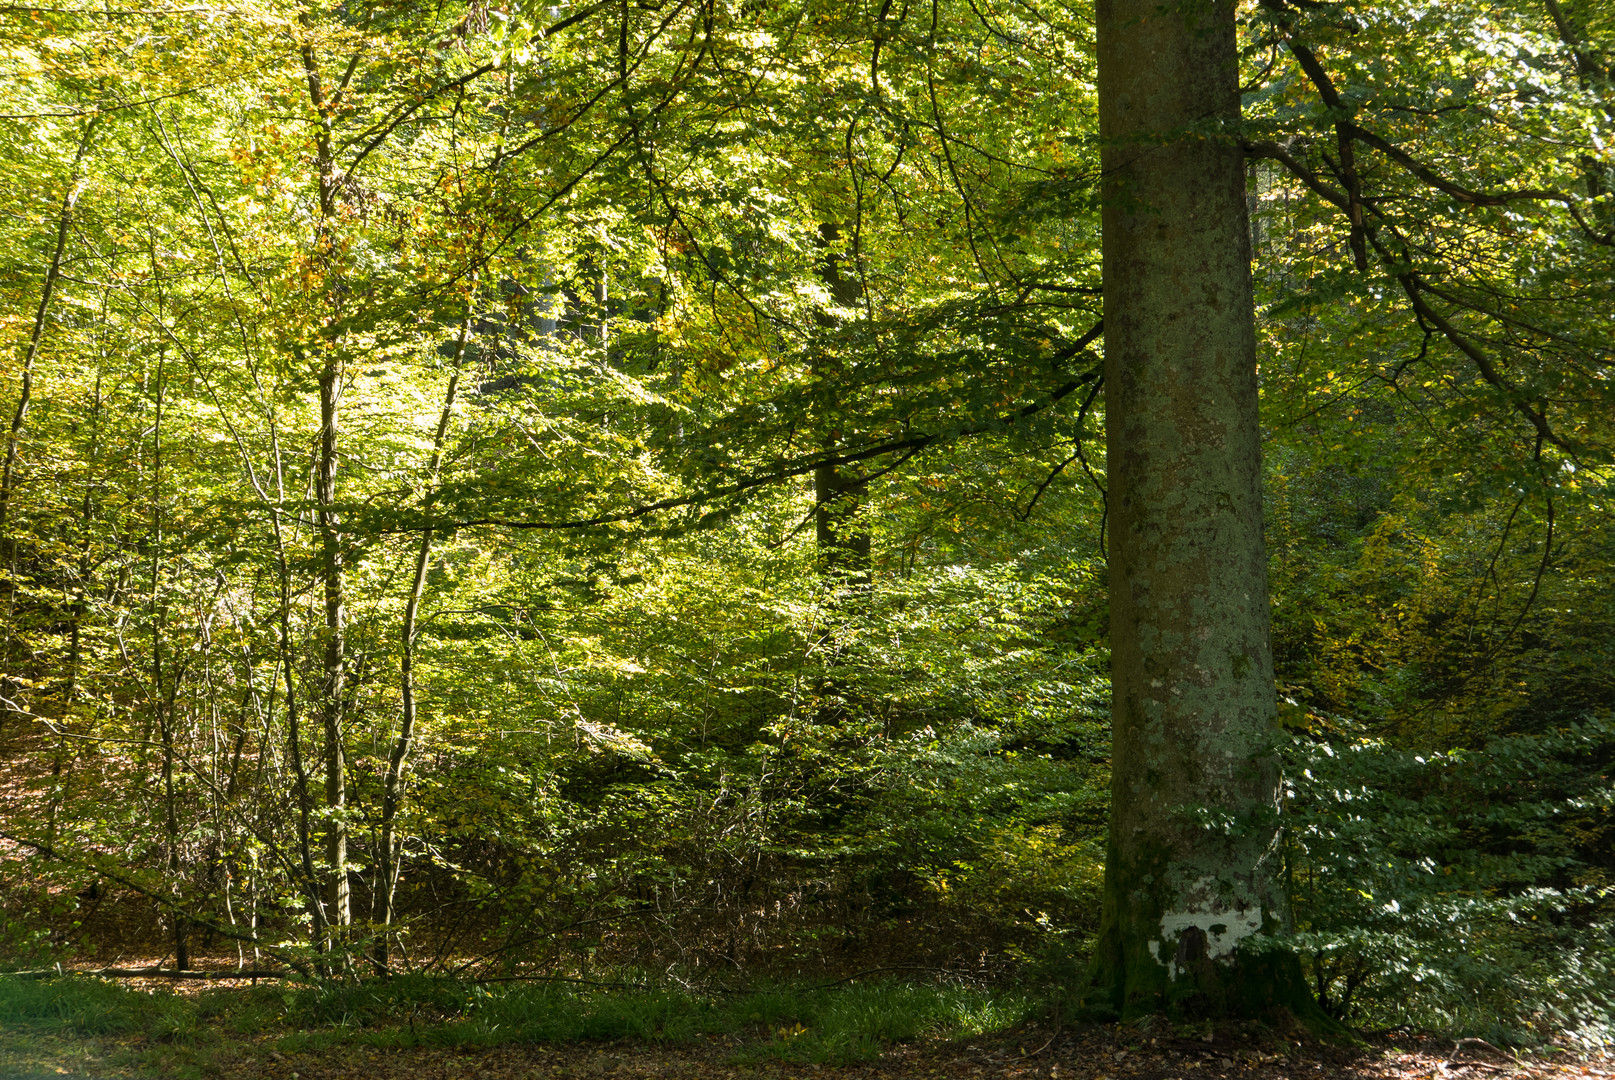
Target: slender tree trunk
{"points": [[165, 728], [840, 526], [53, 273], [75, 644], [602, 298], [840, 530], [165, 683], [392, 799], [333, 689], [286, 674], [25, 394], [294, 742], [1191, 671]]}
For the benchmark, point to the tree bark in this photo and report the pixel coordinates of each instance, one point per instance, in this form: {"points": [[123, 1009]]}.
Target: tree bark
{"points": [[333, 688], [81, 606], [64, 222], [25, 392], [841, 531], [840, 521], [1194, 860], [294, 733], [165, 683]]}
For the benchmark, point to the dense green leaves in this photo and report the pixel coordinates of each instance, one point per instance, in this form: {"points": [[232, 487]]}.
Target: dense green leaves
{"points": [[1475, 881]]}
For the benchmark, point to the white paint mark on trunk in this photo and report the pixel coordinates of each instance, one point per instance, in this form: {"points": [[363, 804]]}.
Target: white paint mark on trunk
{"points": [[1224, 927]]}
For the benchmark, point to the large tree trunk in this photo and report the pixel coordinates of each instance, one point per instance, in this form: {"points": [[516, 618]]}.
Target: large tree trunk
{"points": [[1192, 668]]}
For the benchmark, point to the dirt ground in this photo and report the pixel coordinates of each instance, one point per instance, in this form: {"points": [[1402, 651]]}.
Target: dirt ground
{"points": [[1093, 1054]]}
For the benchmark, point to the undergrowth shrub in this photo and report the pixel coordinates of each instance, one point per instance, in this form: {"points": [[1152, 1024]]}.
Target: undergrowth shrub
{"points": [[1467, 892]]}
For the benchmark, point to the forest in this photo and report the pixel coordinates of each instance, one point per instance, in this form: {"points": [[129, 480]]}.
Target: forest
{"points": [[1107, 503]]}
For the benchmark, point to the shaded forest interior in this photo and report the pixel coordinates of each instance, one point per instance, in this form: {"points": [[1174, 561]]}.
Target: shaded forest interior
{"points": [[617, 492]]}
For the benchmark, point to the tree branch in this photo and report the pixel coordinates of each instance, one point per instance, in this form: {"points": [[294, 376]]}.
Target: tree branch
{"points": [[786, 470]]}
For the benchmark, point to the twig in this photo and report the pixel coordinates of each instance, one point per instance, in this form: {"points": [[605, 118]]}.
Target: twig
{"points": [[157, 973], [888, 967], [1056, 1034], [558, 978]]}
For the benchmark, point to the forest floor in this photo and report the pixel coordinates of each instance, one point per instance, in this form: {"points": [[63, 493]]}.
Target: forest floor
{"points": [[1028, 1053], [1098, 1054]]}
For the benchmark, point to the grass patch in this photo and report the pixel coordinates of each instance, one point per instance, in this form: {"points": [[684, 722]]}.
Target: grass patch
{"points": [[818, 1024], [826, 1025], [92, 1007]]}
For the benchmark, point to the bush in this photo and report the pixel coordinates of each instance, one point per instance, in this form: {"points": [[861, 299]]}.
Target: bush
{"points": [[1466, 892]]}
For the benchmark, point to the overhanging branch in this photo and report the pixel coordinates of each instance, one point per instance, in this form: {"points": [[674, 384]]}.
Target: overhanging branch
{"points": [[802, 466]]}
